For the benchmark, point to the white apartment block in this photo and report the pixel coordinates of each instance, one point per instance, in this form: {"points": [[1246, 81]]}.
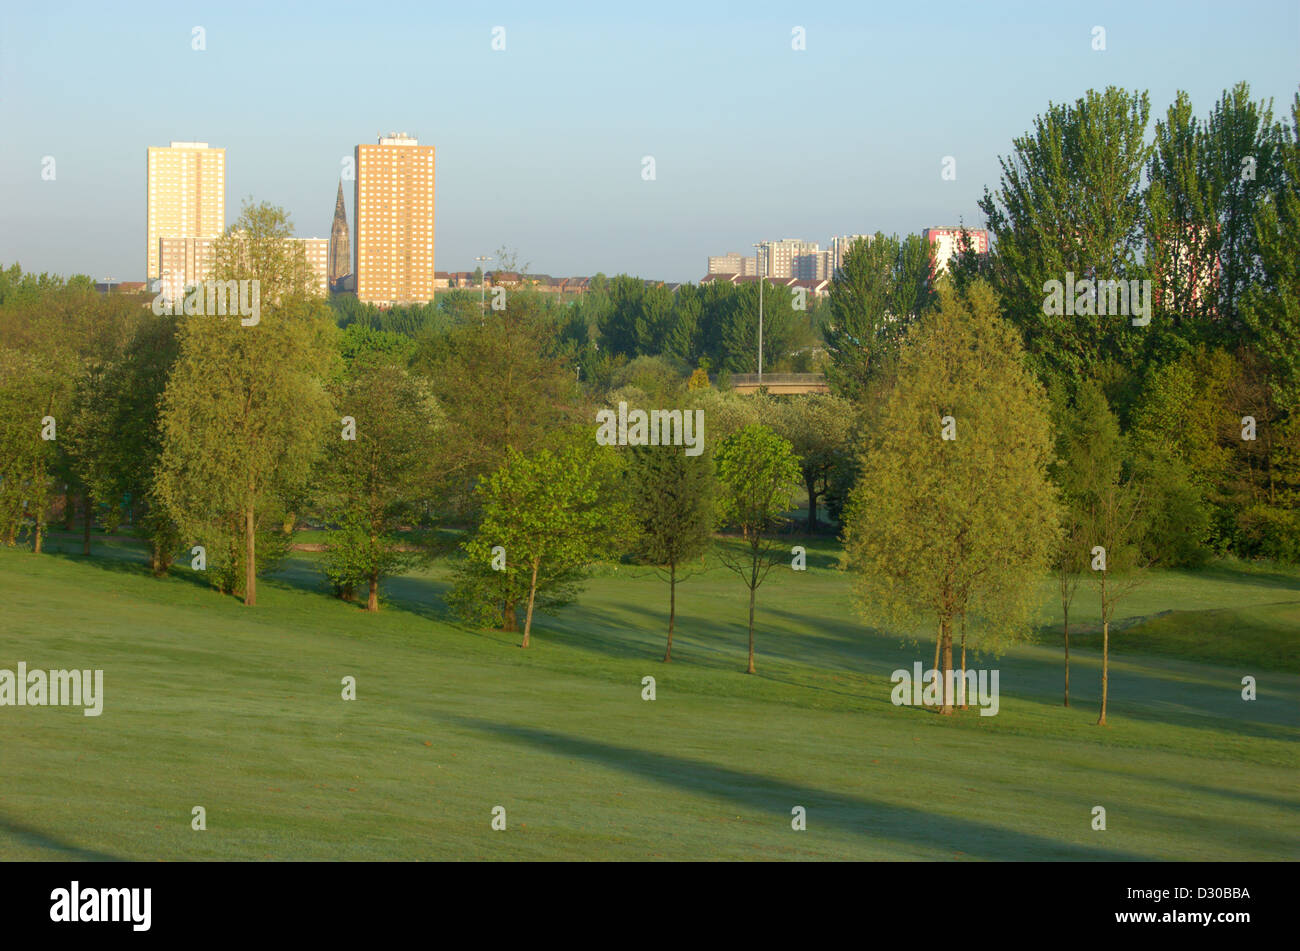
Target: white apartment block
{"points": [[779, 256], [186, 196]]}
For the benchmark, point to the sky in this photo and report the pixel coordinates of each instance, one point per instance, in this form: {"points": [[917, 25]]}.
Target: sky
{"points": [[541, 145]]}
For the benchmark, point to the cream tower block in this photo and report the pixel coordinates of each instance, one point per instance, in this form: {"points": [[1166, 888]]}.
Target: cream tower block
{"points": [[393, 253], [186, 199]]}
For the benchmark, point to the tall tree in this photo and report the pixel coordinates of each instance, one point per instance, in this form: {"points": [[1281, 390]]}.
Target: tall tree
{"points": [[29, 392], [671, 497], [245, 407], [1089, 453], [1070, 203], [736, 323], [119, 442], [758, 474], [1271, 307], [380, 468], [954, 516], [880, 291], [1208, 182]]}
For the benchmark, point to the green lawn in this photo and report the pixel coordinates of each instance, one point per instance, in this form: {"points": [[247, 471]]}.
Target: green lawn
{"points": [[239, 711]]}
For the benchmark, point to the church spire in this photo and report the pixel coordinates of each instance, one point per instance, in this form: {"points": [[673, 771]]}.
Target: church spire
{"points": [[340, 261]]}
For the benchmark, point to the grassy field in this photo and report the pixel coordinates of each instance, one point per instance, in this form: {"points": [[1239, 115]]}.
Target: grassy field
{"points": [[239, 711]]}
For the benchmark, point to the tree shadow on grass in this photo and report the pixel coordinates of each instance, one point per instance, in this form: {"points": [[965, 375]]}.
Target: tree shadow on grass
{"points": [[1221, 571], [28, 836], [128, 561], [1257, 798], [854, 815]]}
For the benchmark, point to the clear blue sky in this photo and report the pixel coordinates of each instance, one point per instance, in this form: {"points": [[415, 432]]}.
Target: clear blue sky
{"points": [[540, 146]]}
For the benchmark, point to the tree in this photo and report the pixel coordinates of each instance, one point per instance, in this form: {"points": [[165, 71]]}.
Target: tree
{"points": [[672, 507], [245, 407], [735, 326], [508, 263], [758, 473], [119, 442], [28, 393], [1088, 459], [546, 517], [1209, 180], [1113, 518], [61, 336], [503, 384], [1211, 444], [374, 482], [878, 293], [954, 517], [259, 246], [819, 427], [1271, 309], [1070, 203]]}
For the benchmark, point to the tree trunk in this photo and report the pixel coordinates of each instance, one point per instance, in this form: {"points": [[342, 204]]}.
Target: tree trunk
{"points": [[372, 602], [938, 642], [509, 622], [963, 662], [87, 514], [36, 546], [532, 597], [250, 559], [810, 482], [69, 511], [672, 609], [946, 709], [751, 631], [1105, 668], [1066, 611]]}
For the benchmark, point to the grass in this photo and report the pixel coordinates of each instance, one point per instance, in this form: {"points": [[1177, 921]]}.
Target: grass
{"points": [[239, 711]]}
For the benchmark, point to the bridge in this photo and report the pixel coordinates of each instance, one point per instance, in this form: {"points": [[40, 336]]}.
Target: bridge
{"points": [[780, 383]]}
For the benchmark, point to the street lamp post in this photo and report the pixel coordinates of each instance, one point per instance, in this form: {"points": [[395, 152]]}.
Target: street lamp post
{"points": [[482, 282], [761, 268]]}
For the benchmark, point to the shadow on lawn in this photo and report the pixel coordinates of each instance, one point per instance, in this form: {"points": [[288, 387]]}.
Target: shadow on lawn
{"points": [[866, 818], [1258, 798], [1226, 571], [123, 559], [34, 837]]}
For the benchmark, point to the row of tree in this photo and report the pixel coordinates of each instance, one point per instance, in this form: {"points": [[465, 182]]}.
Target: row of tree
{"points": [[203, 432], [975, 438]]}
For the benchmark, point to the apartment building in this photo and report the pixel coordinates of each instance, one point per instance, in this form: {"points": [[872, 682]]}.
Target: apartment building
{"points": [[945, 241], [191, 260], [394, 206], [186, 183]]}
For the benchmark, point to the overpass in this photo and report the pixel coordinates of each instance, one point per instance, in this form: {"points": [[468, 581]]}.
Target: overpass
{"points": [[780, 383]]}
